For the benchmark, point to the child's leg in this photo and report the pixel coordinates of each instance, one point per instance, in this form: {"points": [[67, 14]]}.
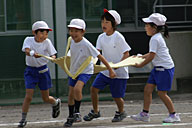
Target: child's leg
{"points": [[78, 95], [148, 96], [27, 100], [78, 90], [71, 102], [56, 103], [94, 98], [167, 101], [25, 106], [46, 98], [120, 104]]}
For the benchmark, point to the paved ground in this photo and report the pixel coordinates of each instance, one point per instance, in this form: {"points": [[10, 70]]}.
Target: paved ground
{"points": [[40, 115]]}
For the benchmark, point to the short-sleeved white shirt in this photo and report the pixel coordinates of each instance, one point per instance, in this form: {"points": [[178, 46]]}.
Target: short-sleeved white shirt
{"points": [[79, 53], [158, 46], [112, 48], [45, 48]]}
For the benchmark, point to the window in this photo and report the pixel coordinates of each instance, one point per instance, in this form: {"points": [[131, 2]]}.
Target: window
{"points": [[182, 8], [15, 15], [131, 11], [89, 10], [2, 16]]}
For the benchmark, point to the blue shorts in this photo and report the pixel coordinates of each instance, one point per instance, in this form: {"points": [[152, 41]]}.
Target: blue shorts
{"points": [[40, 76], [82, 77], [162, 78], [117, 86]]}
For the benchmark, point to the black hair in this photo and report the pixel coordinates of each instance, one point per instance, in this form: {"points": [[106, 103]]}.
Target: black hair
{"points": [[41, 30], [75, 28], [109, 17], [163, 28]]}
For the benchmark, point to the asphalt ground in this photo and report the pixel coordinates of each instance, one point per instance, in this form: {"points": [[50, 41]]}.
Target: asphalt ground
{"points": [[39, 115]]}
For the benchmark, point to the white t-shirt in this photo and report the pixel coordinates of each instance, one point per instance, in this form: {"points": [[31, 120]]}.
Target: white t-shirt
{"points": [[112, 48], [79, 53], [158, 46], [45, 48]]}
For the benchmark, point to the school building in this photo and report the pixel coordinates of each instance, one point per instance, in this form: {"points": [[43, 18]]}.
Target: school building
{"points": [[17, 17]]}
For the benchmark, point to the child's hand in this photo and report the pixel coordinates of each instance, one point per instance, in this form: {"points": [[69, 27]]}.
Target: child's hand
{"points": [[112, 74], [137, 65], [36, 55]]}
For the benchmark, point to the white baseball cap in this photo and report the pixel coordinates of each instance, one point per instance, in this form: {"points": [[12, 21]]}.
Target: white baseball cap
{"points": [[115, 15], [40, 25], [156, 18], [77, 23]]}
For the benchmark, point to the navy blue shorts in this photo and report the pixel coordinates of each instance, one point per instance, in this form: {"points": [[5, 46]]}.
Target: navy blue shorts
{"points": [[37, 76], [117, 86], [82, 77], [162, 78]]}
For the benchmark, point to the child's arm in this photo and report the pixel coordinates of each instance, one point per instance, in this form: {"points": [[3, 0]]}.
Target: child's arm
{"points": [[27, 51], [145, 56], [53, 56], [30, 52], [125, 55], [104, 61], [148, 58]]}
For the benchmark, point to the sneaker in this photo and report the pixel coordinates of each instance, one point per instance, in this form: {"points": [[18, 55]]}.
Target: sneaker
{"points": [[142, 116], [77, 117], [172, 118], [22, 123], [69, 122], [56, 109], [91, 116], [119, 116]]}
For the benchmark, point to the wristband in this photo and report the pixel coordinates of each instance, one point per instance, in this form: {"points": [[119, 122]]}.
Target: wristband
{"points": [[32, 52]]}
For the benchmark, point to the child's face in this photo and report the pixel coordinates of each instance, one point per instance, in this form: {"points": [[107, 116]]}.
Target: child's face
{"points": [[76, 34], [41, 35], [150, 30], [107, 27]]}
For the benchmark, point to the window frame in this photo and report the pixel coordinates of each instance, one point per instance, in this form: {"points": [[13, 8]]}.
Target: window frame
{"points": [[13, 32]]}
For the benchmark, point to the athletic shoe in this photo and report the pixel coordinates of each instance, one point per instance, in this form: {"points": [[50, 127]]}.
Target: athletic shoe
{"points": [[142, 116], [91, 116], [119, 116], [22, 123], [69, 122], [77, 117], [172, 118], [56, 109]]}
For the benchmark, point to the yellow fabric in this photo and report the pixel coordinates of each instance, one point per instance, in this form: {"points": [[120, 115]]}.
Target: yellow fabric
{"points": [[130, 61], [64, 62], [81, 68]]}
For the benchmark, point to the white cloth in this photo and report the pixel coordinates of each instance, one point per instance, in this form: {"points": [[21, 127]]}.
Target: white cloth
{"points": [[112, 48], [79, 52], [45, 48], [158, 46]]}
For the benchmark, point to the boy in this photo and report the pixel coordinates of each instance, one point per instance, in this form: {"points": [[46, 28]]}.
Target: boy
{"points": [[80, 50], [119, 50], [37, 71]]}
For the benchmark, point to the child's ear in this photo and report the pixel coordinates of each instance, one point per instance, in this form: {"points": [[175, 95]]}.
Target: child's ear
{"points": [[33, 32], [83, 31]]}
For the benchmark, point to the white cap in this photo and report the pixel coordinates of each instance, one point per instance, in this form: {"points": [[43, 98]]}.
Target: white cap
{"points": [[77, 23], [115, 15], [40, 25], [156, 18]]}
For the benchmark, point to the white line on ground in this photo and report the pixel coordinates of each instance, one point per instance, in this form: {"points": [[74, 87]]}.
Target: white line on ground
{"points": [[151, 125], [105, 118]]}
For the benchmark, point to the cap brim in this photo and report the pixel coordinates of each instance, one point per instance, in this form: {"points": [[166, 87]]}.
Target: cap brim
{"points": [[74, 26], [45, 28], [146, 20]]}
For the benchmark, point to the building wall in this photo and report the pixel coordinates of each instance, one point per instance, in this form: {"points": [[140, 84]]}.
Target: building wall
{"points": [[180, 46]]}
